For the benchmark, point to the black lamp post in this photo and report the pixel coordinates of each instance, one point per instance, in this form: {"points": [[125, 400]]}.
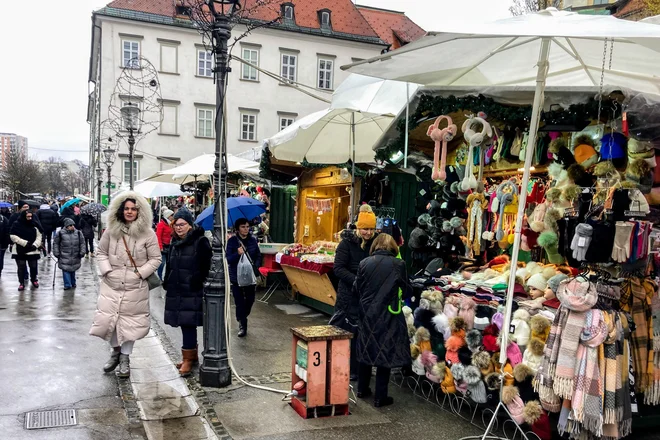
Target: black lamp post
{"points": [[130, 113], [109, 160], [215, 371]]}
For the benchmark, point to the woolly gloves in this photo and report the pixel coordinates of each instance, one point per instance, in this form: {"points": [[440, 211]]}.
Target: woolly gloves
{"points": [[621, 249], [581, 241]]}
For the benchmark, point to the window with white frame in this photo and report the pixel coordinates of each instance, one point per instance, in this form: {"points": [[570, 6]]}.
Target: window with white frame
{"points": [[204, 63], [126, 171], [251, 55], [248, 126], [289, 66], [285, 121], [325, 18], [205, 122], [170, 119], [130, 53], [325, 73]]}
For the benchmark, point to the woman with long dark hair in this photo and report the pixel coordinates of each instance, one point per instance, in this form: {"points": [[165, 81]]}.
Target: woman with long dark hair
{"points": [[27, 235], [128, 254]]}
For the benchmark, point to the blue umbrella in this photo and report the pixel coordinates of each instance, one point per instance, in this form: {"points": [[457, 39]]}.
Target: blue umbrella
{"points": [[69, 203], [4, 204], [237, 207]]}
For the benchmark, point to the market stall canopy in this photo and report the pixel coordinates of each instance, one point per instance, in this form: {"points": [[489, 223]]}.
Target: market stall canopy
{"points": [[201, 167], [361, 106], [505, 53], [151, 189]]}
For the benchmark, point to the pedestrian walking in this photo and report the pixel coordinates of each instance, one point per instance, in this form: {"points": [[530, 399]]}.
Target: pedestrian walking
{"points": [[353, 248], [68, 212], [20, 207], [26, 234], [5, 213], [381, 285], [164, 235], [188, 265], [238, 245], [87, 225], [69, 248], [4, 240], [49, 221], [128, 254]]}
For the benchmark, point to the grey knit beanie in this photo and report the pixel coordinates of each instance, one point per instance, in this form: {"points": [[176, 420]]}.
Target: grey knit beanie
{"points": [[553, 283]]}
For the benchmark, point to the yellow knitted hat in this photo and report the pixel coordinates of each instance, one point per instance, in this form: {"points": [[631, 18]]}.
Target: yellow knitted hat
{"points": [[366, 218]]}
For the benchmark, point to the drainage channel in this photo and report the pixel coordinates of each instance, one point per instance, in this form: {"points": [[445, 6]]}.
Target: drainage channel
{"points": [[51, 419]]}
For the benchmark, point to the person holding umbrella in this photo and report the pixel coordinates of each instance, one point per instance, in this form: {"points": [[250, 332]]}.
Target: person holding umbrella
{"points": [[27, 235], [238, 245]]}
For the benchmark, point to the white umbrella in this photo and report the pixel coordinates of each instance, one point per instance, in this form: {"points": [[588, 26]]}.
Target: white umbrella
{"points": [[571, 49], [151, 189], [201, 167]]}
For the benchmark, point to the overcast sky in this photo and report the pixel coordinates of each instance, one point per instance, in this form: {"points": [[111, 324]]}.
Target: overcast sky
{"points": [[44, 56]]}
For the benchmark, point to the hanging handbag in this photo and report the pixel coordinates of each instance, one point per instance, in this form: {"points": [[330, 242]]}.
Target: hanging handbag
{"points": [[152, 279]]}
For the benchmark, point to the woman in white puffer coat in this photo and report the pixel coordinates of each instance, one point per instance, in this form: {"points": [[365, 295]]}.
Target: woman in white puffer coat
{"points": [[122, 311]]}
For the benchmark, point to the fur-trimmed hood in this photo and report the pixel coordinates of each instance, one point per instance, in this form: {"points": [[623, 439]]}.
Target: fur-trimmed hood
{"points": [[141, 224]]}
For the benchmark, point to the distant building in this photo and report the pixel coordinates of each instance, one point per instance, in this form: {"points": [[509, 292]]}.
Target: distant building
{"points": [[308, 46], [10, 142], [633, 10], [591, 7]]}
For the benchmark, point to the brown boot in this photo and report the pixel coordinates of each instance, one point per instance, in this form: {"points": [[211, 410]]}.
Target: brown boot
{"points": [[178, 364], [189, 359]]}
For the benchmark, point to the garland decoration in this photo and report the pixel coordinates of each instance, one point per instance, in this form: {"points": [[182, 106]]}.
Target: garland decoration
{"points": [[266, 172]]}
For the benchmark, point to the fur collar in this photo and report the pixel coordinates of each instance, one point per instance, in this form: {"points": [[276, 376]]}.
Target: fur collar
{"points": [[195, 233], [141, 225]]}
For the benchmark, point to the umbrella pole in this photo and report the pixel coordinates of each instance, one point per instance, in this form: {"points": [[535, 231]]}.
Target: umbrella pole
{"points": [[541, 76], [405, 145], [352, 210]]}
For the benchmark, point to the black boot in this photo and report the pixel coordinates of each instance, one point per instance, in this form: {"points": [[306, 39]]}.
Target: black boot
{"points": [[242, 328]]}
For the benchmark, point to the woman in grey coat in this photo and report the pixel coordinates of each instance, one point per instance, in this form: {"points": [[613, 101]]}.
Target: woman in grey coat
{"points": [[69, 248]]}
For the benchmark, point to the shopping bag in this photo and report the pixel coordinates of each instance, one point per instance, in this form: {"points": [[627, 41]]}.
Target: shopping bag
{"points": [[245, 272]]}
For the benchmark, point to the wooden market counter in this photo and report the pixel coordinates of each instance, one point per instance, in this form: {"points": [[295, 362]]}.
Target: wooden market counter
{"points": [[311, 282]]}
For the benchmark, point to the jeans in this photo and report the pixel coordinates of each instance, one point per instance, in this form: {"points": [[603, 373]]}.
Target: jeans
{"points": [[382, 380], [69, 279], [23, 272], [89, 244], [163, 254], [244, 299], [189, 337]]}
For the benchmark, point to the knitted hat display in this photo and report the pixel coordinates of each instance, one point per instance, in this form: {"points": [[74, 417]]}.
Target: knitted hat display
{"points": [[428, 360], [540, 327], [639, 172], [476, 387], [410, 320], [522, 331], [493, 381], [553, 283], [561, 153], [455, 341], [491, 333], [435, 298], [511, 398], [523, 377], [467, 311], [423, 316], [584, 152], [447, 385], [498, 318], [437, 373], [536, 417], [513, 354], [481, 360], [613, 146], [366, 218], [473, 340], [538, 282], [441, 136], [423, 339], [533, 355], [441, 324], [464, 355], [457, 371], [451, 309], [549, 241]]}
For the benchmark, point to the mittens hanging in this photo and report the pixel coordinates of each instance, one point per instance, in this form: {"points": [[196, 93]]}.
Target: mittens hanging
{"points": [[581, 241], [621, 249]]}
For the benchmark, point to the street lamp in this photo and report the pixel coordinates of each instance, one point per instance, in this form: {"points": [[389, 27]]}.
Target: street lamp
{"points": [[109, 160], [215, 371], [130, 114]]}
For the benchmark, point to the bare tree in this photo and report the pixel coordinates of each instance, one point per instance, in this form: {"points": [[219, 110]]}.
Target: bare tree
{"points": [[21, 174], [522, 7], [53, 171]]}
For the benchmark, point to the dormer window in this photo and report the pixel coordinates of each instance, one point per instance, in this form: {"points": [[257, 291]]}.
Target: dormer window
{"points": [[287, 11], [324, 18]]}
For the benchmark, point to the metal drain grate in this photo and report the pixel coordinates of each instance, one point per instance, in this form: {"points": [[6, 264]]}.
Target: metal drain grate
{"points": [[50, 419]]}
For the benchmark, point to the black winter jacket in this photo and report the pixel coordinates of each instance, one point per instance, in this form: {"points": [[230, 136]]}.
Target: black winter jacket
{"points": [[347, 260], [87, 225], [68, 212], [233, 257], [382, 338], [4, 232], [48, 220], [188, 265]]}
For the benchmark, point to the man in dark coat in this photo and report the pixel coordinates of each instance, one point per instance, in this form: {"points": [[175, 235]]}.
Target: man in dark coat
{"points": [[189, 262], [353, 248], [49, 221], [87, 224], [382, 341], [4, 240], [68, 212]]}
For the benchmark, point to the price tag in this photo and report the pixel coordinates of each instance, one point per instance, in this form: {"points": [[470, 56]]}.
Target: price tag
{"points": [[582, 241], [320, 213]]}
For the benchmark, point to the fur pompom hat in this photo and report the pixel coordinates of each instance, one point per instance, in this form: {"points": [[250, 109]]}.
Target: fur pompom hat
{"points": [[447, 385], [560, 152], [441, 324], [498, 318], [481, 360], [540, 327], [435, 298], [511, 398], [536, 417], [437, 373], [476, 387], [523, 376], [423, 339], [465, 356], [520, 323], [457, 340], [533, 355], [423, 316], [451, 309], [467, 311], [490, 338], [410, 321], [473, 339], [584, 151]]}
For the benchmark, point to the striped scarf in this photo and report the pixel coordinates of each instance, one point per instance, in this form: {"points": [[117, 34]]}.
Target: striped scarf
{"points": [[638, 294], [624, 403], [543, 382], [652, 395], [587, 397], [564, 379]]}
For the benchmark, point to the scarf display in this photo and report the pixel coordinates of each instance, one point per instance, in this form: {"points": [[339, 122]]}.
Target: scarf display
{"points": [[564, 377], [652, 394], [638, 294], [476, 203], [624, 400], [544, 380]]}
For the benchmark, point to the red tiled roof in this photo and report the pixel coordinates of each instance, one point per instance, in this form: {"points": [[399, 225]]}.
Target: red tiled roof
{"points": [[391, 26], [345, 17], [632, 7]]}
